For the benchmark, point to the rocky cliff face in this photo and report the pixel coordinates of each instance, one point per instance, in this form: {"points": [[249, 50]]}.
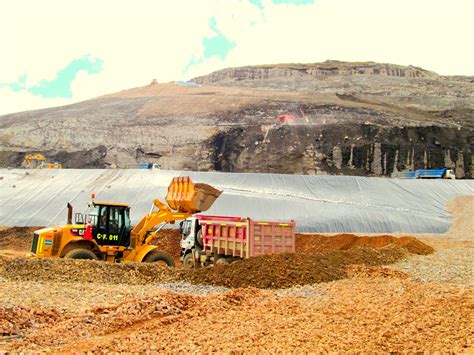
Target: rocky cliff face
{"points": [[360, 149], [328, 68], [340, 118]]}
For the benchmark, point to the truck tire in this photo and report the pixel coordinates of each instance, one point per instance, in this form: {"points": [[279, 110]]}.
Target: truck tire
{"points": [[189, 262], [222, 261], [199, 238], [81, 254], [157, 256]]}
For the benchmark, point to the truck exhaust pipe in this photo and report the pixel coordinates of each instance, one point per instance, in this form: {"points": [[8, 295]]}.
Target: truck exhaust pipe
{"points": [[69, 213]]}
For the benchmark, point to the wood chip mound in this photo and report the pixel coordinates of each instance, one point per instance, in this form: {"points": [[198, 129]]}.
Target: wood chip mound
{"points": [[266, 271], [17, 238], [70, 270], [312, 243], [374, 271], [168, 240], [286, 270]]}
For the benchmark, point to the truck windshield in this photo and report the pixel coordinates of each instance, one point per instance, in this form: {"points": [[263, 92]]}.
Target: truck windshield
{"points": [[186, 228]]}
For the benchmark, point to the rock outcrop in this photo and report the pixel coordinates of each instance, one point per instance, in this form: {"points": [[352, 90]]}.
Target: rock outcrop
{"points": [[328, 68]]}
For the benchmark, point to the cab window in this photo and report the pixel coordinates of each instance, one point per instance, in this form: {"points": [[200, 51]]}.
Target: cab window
{"points": [[127, 218], [115, 221], [186, 228], [102, 219]]}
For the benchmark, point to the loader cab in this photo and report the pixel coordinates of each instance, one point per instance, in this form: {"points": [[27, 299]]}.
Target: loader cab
{"points": [[111, 224]]}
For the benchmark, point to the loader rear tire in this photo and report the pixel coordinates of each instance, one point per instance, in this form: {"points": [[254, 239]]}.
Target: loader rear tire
{"points": [[157, 256], [81, 254]]}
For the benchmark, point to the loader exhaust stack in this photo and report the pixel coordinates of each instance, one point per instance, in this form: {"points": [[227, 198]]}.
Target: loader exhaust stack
{"points": [[69, 213]]}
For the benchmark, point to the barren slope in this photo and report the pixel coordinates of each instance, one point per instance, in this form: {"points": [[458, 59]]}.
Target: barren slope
{"points": [[359, 119]]}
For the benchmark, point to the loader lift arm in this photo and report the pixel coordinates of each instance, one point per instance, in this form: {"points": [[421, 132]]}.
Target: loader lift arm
{"points": [[184, 199], [164, 214]]}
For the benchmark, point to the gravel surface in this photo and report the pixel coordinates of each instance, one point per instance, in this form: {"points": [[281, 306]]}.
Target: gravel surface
{"points": [[452, 266], [188, 288]]}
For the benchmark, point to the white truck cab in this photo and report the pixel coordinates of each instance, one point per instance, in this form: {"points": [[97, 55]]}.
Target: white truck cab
{"points": [[450, 174], [189, 229]]}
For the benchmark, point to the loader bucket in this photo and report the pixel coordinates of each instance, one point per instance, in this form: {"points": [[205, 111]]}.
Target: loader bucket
{"points": [[186, 196]]}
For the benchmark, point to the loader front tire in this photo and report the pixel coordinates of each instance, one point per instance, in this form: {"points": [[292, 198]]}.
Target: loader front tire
{"points": [[157, 256], [81, 254]]}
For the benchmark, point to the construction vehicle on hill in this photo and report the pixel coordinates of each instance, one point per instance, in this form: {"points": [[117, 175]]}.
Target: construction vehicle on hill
{"points": [[38, 161], [34, 161], [106, 233]]}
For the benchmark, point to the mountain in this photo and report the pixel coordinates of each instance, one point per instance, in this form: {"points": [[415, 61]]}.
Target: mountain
{"points": [[341, 118]]}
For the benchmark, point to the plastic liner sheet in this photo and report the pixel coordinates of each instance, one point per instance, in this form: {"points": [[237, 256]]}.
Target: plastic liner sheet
{"points": [[326, 204]]}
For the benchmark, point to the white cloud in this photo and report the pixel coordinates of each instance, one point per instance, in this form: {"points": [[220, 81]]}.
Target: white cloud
{"points": [[10, 101], [142, 40]]}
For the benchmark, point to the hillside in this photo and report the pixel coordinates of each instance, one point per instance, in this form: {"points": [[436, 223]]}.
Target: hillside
{"points": [[350, 118]]}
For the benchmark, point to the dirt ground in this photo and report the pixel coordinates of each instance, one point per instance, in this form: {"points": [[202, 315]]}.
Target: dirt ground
{"points": [[336, 293]]}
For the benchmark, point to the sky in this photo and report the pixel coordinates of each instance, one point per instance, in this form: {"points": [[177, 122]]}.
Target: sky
{"points": [[57, 52]]}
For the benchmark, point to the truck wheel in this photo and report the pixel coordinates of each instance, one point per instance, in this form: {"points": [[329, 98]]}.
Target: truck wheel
{"points": [[157, 256], [189, 262], [222, 261], [81, 254], [199, 238]]}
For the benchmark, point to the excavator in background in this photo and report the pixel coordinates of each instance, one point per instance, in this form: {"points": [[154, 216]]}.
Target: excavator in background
{"points": [[34, 161], [106, 233], [38, 161], [289, 118]]}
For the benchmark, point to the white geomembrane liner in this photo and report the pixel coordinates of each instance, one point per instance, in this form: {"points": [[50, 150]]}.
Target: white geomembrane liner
{"points": [[317, 203]]}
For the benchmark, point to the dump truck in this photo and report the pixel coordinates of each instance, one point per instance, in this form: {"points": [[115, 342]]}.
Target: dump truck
{"points": [[147, 166], [444, 173], [106, 233], [213, 240]]}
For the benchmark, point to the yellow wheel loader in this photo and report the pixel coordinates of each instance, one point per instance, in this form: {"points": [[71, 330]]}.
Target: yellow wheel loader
{"points": [[106, 233]]}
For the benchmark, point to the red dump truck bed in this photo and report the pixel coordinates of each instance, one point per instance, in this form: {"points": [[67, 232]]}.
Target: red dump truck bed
{"points": [[245, 237]]}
